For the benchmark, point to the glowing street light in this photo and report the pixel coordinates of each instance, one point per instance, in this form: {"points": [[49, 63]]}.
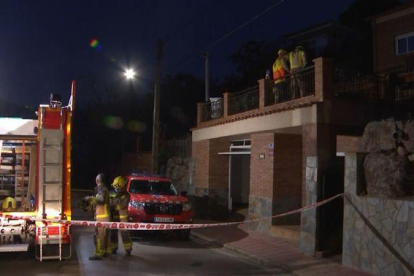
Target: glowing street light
{"points": [[129, 74]]}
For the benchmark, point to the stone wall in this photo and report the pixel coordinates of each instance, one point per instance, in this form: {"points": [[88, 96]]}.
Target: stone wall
{"points": [[180, 171], [378, 233], [261, 181]]}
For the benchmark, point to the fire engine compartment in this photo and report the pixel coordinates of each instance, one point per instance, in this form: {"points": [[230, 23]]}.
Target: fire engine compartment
{"points": [[17, 175]]}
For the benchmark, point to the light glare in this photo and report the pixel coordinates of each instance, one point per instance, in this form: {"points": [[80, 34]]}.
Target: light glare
{"points": [[129, 74]]}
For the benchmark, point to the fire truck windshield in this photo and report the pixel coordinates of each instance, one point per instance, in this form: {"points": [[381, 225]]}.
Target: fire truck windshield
{"points": [[152, 187]]}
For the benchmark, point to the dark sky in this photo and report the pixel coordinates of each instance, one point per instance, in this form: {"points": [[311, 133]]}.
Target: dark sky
{"points": [[45, 44]]}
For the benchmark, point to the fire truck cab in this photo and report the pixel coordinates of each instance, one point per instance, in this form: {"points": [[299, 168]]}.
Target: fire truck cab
{"points": [[35, 181]]}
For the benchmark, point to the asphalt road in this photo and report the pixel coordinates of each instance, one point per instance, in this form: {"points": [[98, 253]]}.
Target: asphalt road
{"points": [[151, 255]]}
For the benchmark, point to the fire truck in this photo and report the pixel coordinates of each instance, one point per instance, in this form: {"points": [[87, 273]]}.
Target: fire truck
{"points": [[35, 181]]}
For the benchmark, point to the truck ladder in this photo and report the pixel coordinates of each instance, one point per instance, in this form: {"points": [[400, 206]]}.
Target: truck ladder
{"points": [[51, 156], [45, 238]]}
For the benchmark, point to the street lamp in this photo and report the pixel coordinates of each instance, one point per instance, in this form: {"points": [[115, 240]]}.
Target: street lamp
{"points": [[129, 74]]}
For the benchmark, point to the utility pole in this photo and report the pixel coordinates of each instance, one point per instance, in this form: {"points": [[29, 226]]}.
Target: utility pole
{"points": [[155, 121], [207, 78]]}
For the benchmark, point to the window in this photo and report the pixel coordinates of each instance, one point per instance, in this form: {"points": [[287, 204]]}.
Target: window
{"points": [[404, 44], [152, 187]]}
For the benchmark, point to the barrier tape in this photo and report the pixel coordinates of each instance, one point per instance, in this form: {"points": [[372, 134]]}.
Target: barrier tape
{"points": [[164, 226]]}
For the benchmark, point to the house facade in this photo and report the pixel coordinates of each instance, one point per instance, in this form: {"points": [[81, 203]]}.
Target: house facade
{"points": [[271, 156]]}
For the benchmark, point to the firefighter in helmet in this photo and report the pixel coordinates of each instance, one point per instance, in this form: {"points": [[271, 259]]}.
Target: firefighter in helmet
{"points": [[100, 201], [119, 198]]}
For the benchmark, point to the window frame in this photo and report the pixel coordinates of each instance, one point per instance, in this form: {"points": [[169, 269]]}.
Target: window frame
{"points": [[403, 36]]}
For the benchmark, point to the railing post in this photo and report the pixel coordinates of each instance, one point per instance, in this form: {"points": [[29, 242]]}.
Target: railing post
{"points": [[199, 113], [262, 93], [323, 78], [225, 104]]}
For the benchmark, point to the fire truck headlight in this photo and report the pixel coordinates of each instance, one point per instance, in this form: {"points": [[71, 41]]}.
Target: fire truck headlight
{"points": [[186, 206], [137, 205]]}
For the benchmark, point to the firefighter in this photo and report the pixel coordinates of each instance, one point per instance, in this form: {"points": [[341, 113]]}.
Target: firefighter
{"points": [[119, 212], [102, 213], [280, 69], [298, 61]]}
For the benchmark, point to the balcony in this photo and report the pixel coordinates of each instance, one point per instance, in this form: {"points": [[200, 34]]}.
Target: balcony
{"points": [[299, 89], [314, 84]]}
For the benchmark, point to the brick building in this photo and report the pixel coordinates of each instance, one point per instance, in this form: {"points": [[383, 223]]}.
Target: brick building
{"points": [[273, 156]]}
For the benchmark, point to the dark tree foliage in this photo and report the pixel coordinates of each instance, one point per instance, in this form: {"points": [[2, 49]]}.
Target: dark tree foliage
{"points": [[252, 59], [179, 97]]}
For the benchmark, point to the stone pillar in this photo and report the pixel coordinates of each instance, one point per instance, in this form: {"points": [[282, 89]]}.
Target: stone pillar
{"points": [[323, 78], [353, 173], [199, 113], [225, 104], [261, 181], [318, 151], [262, 93], [307, 243]]}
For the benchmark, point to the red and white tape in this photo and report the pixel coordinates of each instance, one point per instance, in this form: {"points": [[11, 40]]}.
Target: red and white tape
{"points": [[164, 226]]}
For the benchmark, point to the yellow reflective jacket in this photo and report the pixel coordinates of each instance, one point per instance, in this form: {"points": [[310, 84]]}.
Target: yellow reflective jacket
{"points": [[119, 205], [101, 203], [297, 59]]}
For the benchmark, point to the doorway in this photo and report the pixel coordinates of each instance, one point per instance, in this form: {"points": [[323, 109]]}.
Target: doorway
{"points": [[239, 174]]}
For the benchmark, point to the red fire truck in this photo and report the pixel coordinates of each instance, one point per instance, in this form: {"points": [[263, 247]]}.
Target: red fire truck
{"points": [[35, 181]]}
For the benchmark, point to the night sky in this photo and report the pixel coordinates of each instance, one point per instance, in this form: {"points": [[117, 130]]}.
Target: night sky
{"points": [[45, 44]]}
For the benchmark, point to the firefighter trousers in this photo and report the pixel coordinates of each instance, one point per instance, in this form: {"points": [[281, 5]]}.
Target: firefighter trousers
{"points": [[101, 240], [113, 240]]}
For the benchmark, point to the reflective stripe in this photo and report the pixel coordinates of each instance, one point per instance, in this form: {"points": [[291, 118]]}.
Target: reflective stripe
{"points": [[102, 216], [123, 216]]}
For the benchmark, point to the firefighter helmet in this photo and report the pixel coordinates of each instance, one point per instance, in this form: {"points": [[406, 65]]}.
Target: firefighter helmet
{"points": [[281, 51], [119, 182], [9, 204]]}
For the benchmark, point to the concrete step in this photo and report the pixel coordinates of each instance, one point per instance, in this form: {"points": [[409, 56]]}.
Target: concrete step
{"points": [[291, 232]]}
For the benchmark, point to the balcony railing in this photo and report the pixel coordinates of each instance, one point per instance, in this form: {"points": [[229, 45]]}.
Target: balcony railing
{"points": [[404, 89], [212, 110], [353, 84], [294, 86], [244, 101]]}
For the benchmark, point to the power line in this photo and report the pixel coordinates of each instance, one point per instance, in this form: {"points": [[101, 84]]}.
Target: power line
{"points": [[244, 24]]}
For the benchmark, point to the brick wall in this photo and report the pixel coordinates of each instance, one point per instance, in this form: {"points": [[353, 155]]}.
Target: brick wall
{"points": [[219, 164], [200, 154], [287, 191], [384, 42], [261, 170]]}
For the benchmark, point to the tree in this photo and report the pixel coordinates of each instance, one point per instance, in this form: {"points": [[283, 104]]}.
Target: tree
{"points": [[252, 59]]}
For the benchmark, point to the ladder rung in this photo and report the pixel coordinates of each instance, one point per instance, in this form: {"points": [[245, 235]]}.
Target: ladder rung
{"points": [[51, 257], [52, 183], [50, 147], [52, 165], [44, 238], [52, 201]]}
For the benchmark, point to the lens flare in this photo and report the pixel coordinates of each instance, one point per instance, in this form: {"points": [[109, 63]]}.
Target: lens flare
{"points": [[113, 122], [94, 43], [135, 126]]}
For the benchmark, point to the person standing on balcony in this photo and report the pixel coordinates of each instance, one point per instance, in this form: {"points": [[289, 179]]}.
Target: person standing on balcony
{"points": [[298, 61], [280, 69]]}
